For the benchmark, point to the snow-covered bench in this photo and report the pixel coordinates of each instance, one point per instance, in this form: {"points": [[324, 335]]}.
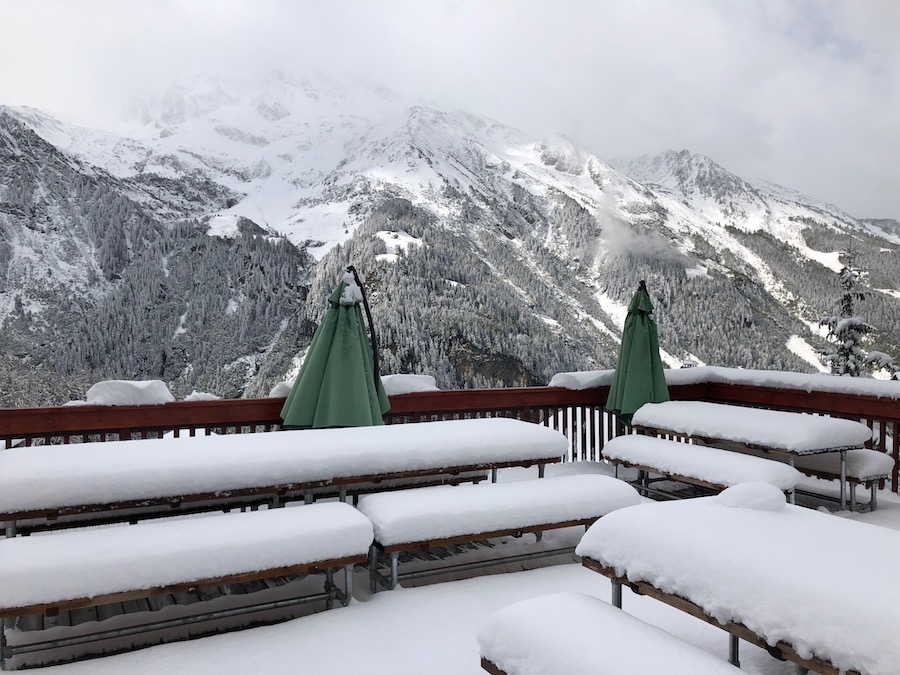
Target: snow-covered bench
{"points": [[789, 435], [92, 567], [46, 486], [577, 634], [423, 518], [790, 580], [863, 467], [707, 467]]}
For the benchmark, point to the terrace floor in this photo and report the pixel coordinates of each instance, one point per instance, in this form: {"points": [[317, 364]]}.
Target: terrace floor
{"points": [[429, 628]]}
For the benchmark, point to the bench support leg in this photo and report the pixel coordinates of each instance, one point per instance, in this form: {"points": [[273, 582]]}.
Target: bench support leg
{"points": [[334, 593], [375, 578], [3, 649], [348, 585], [373, 569], [843, 479], [493, 475], [307, 497], [873, 498], [330, 588], [792, 495], [9, 528], [342, 493], [617, 594], [541, 468], [734, 643], [395, 560]]}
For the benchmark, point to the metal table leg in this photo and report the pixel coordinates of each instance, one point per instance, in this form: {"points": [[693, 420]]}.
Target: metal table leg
{"points": [[330, 588], [843, 480], [373, 569], [617, 594], [3, 649], [348, 585], [395, 559], [734, 650], [792, 495]]}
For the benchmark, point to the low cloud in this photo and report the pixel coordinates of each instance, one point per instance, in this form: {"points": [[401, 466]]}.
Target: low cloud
{"points": [[800, 93]]}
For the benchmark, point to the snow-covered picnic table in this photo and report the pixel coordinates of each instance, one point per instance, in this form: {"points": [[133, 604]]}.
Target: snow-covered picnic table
{"points": [[88, 566], [423, 518], [91, 567], [810, 587], [772, 431], [56, 480]]}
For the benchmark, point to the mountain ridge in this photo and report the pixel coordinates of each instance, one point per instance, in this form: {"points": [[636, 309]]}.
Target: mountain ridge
{"points": [[541, 233]]}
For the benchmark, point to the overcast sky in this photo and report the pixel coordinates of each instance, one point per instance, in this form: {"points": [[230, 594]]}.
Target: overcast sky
{"points": [[799, 92]]}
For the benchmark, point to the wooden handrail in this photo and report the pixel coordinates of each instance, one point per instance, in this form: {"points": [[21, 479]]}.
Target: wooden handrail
{"points": [[80, 419], [835, 403]]}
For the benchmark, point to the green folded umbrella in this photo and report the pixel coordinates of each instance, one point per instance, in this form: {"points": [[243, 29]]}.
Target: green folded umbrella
{"points": [[338, 385], [639, 376]]}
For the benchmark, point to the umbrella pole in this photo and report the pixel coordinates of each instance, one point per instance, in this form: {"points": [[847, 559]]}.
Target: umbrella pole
{"points": [[372, 338]]}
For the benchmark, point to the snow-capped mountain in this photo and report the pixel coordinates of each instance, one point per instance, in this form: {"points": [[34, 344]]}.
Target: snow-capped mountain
{"points": [[493, 257], [727, 199]]}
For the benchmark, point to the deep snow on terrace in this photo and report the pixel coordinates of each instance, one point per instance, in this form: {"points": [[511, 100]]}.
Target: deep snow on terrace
{"points": [[432, 627]]}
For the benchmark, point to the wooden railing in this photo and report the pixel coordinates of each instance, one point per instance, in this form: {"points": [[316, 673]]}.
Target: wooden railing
{"points": [[578, 414]]}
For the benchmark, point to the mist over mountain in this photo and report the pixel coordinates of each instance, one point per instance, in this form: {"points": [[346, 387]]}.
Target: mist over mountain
{"points": [[198, 243]]}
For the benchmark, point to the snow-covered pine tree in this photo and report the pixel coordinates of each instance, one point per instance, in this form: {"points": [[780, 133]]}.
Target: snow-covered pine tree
{"points": [[846, 330]]}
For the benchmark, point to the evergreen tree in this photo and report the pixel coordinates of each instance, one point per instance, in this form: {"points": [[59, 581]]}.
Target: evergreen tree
{"points": [[846, 330]]}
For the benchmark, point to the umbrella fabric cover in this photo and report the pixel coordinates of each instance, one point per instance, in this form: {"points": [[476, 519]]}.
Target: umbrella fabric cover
{"points": [[639, 376], [336, 386]]}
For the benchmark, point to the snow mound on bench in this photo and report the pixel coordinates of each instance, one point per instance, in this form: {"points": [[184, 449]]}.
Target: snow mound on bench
{"points": [[434, 513], [129, 392], [759, 496], [577, 634], [402, 383]]}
